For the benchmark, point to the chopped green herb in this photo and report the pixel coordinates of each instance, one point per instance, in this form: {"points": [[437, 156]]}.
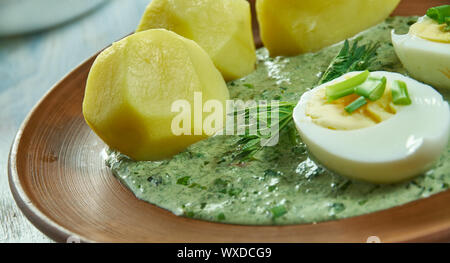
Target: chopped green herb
{"points": [[221, 161], [439, 13], [221, 185], [189, 214], [271, 188], [248, 85], [234, 191], [221, 182], [400, 94], [221, 216], [195, 185], [372, 89], [362, 202], [184, 180], [346, 87], [358, 103], [278, 211]]}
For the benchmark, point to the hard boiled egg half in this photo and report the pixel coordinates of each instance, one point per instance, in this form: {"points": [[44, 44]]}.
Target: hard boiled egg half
{"points": [[425, 52], [380, 142]]}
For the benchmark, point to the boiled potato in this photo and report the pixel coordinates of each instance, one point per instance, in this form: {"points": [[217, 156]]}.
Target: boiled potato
{"points": [[222, 28], [291, 27], [131, 88]]}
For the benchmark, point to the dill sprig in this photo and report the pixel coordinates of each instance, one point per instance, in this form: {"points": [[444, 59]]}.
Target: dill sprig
{"points": [[350, 58], [250, 144]]}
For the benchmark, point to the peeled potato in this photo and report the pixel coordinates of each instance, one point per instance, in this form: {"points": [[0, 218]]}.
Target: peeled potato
{"points": [[222, 28], [291, 27], [131, 88]]}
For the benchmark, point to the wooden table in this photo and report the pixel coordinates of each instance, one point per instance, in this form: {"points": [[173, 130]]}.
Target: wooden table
{"points": [[29, 66]]}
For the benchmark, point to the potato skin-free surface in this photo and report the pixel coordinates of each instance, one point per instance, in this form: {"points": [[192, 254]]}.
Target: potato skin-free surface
{"points": [[291, 27], [222, 28], [131, 88]]}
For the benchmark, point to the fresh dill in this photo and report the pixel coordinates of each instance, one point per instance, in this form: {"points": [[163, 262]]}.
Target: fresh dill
{"points": [[353, 57], [350, 58], [250, 144]]}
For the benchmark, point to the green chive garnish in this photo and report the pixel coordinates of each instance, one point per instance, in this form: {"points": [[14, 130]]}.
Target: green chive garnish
{"points": [[373, 88], [346, 87], [400, 94], [439, 13], [358, 103]]}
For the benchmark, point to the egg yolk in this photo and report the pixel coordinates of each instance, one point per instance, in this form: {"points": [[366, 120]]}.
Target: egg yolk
{"points": [[332, 115], [429, 29]]}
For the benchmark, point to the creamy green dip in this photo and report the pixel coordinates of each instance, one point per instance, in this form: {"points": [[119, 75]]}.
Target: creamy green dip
{"points": [[286, 185]]}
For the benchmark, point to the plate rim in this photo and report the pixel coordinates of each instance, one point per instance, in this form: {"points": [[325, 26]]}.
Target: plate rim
{"points": [[39, 219]]}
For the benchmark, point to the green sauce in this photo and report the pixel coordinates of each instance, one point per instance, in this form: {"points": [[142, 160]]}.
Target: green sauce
{"points": [[286, 186]]}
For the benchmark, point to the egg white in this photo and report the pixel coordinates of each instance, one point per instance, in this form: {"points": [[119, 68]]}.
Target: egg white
{"points": [[394, 150], [425, 60]]}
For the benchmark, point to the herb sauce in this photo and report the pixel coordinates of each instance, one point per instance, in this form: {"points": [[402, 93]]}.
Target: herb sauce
{"points": [[286, 185]]}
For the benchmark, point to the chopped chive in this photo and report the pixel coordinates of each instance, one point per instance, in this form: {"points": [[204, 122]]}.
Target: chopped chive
{"points": [[400, 94], [373, 88], [439, 13], [358, 103], [346, 87]]}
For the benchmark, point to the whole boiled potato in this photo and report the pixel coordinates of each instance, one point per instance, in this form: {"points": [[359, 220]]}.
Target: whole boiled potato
{"points": [[291, 27], [133, 84], [222, 28]]}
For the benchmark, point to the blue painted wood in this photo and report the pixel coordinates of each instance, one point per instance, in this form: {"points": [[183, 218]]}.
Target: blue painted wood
{"points": [[30, 65]]}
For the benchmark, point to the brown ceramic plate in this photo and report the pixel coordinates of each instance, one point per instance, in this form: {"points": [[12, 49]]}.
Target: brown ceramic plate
{"points": [[59, 180]]}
